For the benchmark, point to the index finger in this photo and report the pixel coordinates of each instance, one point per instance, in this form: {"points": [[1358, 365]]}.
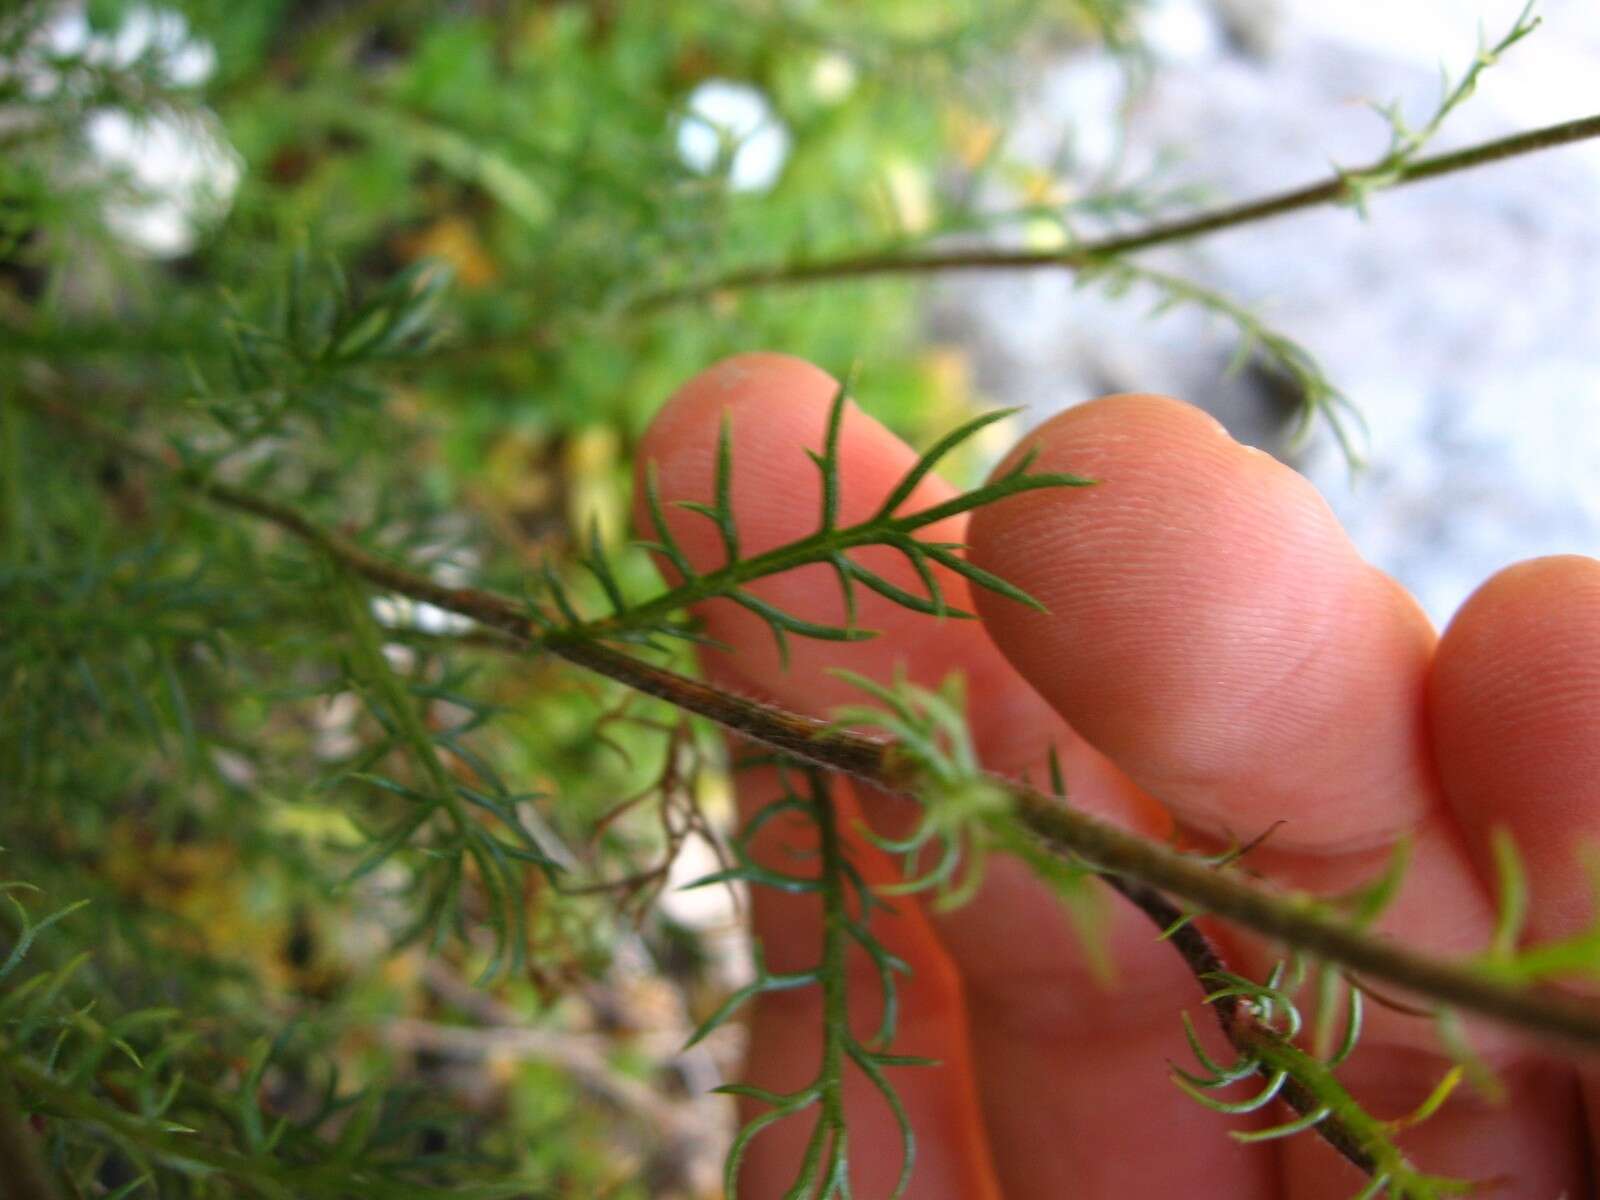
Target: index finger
{"points": [[1033, 1014], [1212, 628], [774, 408]]}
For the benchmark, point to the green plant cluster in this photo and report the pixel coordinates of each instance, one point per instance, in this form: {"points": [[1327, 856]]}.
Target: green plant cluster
{"points": [[279, 793]]}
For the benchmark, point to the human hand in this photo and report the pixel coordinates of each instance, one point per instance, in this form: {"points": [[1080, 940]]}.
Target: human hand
{"points": [[1215, 658]]}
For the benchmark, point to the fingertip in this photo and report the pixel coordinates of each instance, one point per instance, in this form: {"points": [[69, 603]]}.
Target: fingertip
{"points": [[1526, 609], [1517, 674], [776, 408], [1211, 628], [1128, 441], [774, 382], [1514, 706]]}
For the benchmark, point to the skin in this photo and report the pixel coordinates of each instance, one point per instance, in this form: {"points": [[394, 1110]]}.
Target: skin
{"points": [[1215, 657]]}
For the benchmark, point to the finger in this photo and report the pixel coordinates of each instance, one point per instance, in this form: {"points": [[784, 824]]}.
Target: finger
{"points": [[775, 408], [786, 1049], [1515, 708], [1075, 1076], [1035, 1012], [1212, 629]]}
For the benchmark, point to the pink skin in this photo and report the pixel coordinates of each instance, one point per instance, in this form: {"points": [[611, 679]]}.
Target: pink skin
{"points": [[1216, 657]]}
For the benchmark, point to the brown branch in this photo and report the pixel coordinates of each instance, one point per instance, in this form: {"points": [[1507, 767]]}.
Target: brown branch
{"points": [[1334, 189], [1295, 919]]}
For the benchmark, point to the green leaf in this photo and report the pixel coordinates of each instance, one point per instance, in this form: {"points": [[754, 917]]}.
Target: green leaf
{"points": [[931, 458], [987, 580], [666, 543], [1511, 891]]}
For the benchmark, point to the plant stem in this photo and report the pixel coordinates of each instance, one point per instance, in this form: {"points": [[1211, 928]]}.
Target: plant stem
{"points": [[1296, 919], [1203, 959], [1331, 190], [835, 946], [1334, 189]]}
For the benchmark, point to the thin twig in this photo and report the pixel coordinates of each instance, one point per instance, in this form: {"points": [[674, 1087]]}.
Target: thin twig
{"points": [[1295, 919], [1204, 960], [1334, 189]]}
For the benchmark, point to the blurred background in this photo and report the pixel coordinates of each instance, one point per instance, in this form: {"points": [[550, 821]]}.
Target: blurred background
{"points": [[1458, 317], [425, 271]]}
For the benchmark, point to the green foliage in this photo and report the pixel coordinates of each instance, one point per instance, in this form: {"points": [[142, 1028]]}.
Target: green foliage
{"points": [[847, 905], [655, 619], [1320, 399], [1273, 1022], [1407, 142], [415, 321], [1573, 957], [966, 816], [497, 856], [133, 1095]]}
